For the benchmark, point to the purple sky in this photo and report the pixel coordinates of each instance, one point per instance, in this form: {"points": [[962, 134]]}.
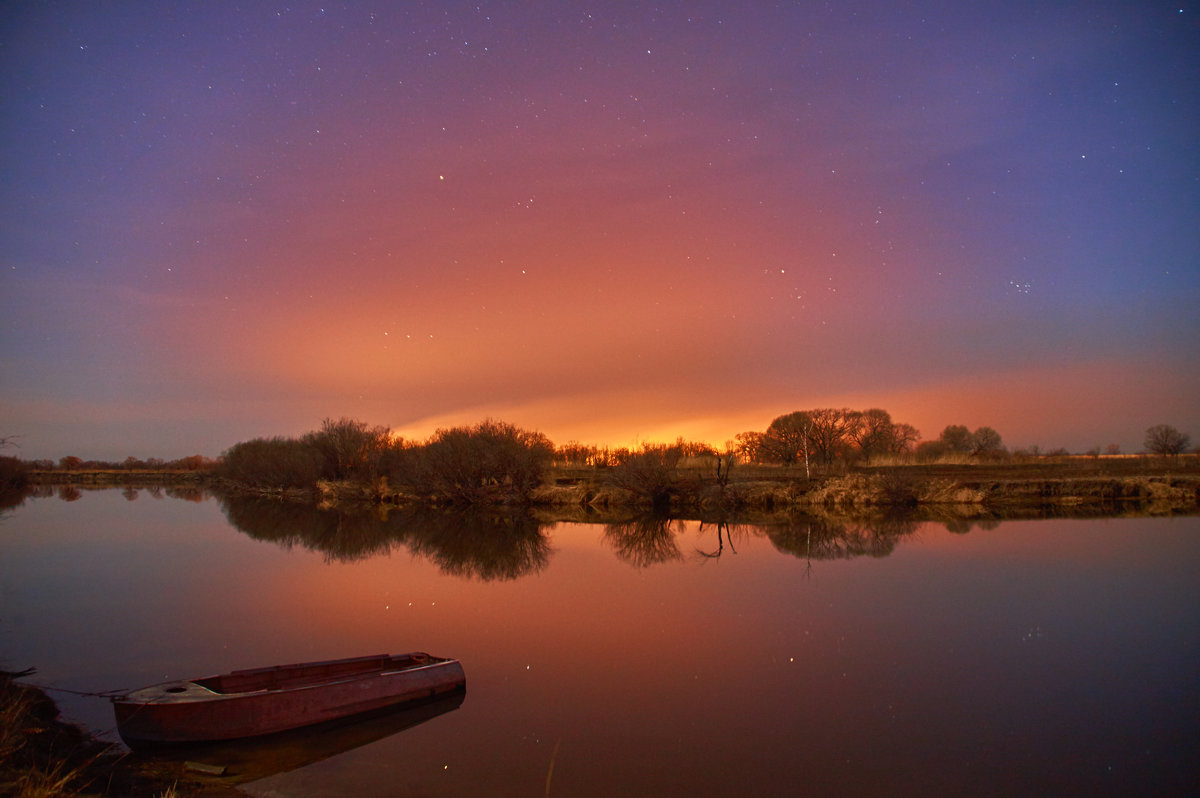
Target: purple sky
{"points": [[609, 222]]}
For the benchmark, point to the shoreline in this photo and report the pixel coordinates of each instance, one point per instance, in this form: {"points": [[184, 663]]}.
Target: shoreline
{"points": [[1155, 485], [42, 754]]}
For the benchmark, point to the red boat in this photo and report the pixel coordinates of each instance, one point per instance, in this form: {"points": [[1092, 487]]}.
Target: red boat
{"points": [[249, 703]]}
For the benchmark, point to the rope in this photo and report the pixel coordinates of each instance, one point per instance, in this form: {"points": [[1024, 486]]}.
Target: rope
{"points": [[101, 694]]}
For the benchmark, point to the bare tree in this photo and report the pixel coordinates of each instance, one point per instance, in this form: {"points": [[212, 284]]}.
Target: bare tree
{"points": [[786, 437], [1166, 440], [828, 431], [985, 441], [956, 438], [351, 449], [904, 438], [872, 431]]}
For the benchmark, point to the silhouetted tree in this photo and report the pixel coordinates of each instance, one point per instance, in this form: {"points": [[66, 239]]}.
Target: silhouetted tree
{"points": [[872, 431], [750, 447], [904, 438], [786, 437], [1166, 440], [492, 459], [14, 474], [351, 450], [956, 438], [576, 453], [649, 472], [828, 430], [273, 463], [985, 441]]}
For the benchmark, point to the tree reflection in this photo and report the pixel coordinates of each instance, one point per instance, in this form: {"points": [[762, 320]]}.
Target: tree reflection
{"points": [[337, 534], [725, 534], [474, 544], [480, 545], [644, 541], [189, 493], [811, 538], [14, 497]]}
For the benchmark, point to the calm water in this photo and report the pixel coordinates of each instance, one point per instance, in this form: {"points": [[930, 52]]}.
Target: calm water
{"points": [[1030, 658]]}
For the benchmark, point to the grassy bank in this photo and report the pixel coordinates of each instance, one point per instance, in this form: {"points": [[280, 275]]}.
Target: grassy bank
{"points": [[698, 485], [42, 755], [1162, 493], [119, 477]]}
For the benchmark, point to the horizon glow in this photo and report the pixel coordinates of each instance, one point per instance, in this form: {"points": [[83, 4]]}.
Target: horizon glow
{"points": [[608, 225]]}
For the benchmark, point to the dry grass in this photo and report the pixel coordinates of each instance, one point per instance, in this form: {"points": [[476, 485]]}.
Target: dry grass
{"points": [[28, 769], [42, 756]]}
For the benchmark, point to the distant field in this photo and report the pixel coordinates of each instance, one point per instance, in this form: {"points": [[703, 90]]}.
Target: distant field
{"points": [[1068, 467]]}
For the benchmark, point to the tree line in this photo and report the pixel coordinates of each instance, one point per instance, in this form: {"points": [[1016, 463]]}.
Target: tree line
{"points": [[827, 435], [488, 461], [495, 460]]}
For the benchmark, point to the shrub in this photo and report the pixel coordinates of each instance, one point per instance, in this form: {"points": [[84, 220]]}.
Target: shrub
{"points": [[350, 450], [273, 463], [475, 463], [649, 472], [14, 473]]}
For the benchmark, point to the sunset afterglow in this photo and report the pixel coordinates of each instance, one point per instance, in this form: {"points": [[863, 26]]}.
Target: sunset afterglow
{"points": [[609, 223]]}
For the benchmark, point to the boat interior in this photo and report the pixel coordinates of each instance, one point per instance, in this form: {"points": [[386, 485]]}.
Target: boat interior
{"points": [[281, 677]]}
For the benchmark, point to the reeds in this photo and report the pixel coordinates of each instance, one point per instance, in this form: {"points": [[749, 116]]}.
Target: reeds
{"points": [[42, 756], [28, 770]]}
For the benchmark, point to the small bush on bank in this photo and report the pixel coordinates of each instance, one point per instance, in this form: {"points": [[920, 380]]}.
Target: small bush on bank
{"points": [[14, 474], [469, 464], [350, 450], [650, 472], [273, 463]]}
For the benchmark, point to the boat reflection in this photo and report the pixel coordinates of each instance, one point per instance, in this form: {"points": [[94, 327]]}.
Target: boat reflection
{"points": [[244, 760]]}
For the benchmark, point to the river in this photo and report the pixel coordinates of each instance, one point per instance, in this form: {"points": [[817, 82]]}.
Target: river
{"points": [[647, 658]]}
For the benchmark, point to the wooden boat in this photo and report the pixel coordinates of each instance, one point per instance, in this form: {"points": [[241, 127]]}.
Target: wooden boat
{"points": [[248, 759], [249, 703]]}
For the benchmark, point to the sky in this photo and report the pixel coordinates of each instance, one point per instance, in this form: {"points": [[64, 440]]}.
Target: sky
{"points": [[610, 222]]}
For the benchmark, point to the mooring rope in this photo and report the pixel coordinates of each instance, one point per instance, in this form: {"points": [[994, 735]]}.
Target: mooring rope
{"points": [[85, 693]]}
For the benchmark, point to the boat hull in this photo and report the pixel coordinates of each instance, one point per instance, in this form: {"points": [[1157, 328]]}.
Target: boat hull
{"points": [[189, 711]]}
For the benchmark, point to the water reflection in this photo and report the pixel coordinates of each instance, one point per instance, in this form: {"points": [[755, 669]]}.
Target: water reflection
{"points": [[725, 535], [339, 535], [816, 539], [1041, 658], [644, 541], [489, 546], [241, 761], [485, 546], [509, 545]]}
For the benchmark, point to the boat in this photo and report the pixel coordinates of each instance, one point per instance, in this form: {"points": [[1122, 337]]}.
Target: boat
{"points": [[251, 703], [252, 758]]}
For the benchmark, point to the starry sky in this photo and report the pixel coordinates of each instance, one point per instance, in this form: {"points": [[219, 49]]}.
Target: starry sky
{"points": [[610, 222]]}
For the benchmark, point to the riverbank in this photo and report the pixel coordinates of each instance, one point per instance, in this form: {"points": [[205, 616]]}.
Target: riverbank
{"points": [[118, 478], [1152, 484], [43, 755]]}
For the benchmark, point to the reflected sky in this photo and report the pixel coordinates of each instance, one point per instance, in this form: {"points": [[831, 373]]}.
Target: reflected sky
{"points": [[1033, 657]]}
